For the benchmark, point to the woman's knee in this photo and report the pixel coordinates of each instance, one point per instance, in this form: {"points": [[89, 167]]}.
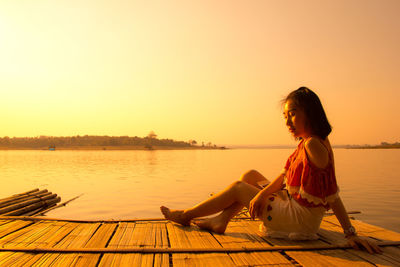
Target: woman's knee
{"points": [[237, 185], [251, 177], [243, 192]]}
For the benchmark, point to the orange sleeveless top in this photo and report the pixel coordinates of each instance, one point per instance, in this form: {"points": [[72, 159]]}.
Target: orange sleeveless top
{"points": [[309, 185]]}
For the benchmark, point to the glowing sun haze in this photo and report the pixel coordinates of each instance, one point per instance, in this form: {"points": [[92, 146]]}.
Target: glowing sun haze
{"points": [[205, 70]]}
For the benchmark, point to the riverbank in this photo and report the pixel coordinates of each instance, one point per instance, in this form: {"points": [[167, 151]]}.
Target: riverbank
{"points": [[116, 148], [374, 147]]}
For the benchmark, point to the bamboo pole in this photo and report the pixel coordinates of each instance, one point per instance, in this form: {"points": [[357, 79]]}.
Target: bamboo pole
{"points": [[7, 209], [49, 201], [30, 218], [189, 250], [31, 192], [37, 211], [24, 193], [14, 198], [25, 198], [58, 206]]}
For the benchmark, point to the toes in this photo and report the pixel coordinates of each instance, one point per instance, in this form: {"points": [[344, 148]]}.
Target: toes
{"points": [[164, 210]]}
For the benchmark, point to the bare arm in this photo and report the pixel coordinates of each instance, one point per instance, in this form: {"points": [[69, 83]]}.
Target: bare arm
{"points": [[341, 214], [352, 237], [274, 186], [319, 156], [257, 204]]}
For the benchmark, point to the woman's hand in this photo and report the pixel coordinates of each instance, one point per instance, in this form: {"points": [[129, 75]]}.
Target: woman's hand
{"points": [[257, 205], [356, 241]]}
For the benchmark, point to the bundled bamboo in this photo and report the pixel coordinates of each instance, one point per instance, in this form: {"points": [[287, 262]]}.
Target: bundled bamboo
{"points": [[28, 203], [5, 201]]}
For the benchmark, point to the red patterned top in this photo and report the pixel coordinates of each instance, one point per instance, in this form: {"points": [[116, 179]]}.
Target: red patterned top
{"points": [[309, 185]]}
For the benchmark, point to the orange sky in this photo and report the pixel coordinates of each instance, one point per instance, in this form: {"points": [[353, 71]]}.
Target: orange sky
{"points": [[205, 70]]}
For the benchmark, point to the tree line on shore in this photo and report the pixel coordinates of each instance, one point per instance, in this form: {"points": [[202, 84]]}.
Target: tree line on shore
{"points": [[381, 145], [90, 140]]}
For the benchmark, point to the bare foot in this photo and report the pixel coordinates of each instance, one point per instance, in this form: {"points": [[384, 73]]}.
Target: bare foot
{"points": [[175, 216], [214, 224]]}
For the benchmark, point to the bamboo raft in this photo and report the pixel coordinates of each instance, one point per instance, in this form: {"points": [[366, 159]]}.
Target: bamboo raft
{"points": [[28, 203], [40, 241]]}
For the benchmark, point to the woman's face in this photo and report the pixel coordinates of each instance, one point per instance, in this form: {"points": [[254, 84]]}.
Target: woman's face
{"points": [[295, 120]]}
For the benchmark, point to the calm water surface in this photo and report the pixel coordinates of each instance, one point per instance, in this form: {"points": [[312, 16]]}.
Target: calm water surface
{"points": [[133, 184]]}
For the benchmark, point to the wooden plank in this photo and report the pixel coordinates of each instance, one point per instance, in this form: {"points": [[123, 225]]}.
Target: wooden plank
{"points": [[131, 235], [392, 252], [260, 259], [30, 259], [255, 227], [162, 242], [78, 238], [376, 259], [120, 239], [365, 229], [298, 257], [325, 258], [142, 237], [49, 237], [43, 235], [5, 221], [151, 234], [15, 238], [375, 231], [331, 233], [98, 240], [184, 237], [12, 226], [243, 234], [4, 257], [80, 235]]}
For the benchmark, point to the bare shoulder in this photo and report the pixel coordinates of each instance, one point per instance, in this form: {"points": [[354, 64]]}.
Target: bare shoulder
{"points": [[317, 152]]}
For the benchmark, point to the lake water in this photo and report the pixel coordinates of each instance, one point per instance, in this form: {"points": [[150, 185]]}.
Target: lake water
{"points": [[133, 184]]}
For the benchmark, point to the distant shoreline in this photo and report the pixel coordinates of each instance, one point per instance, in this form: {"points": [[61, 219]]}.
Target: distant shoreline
{"points": [[372, 147], [188, 147], [116, 148]]}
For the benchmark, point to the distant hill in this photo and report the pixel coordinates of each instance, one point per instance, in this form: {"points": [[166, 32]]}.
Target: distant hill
{"points": [[261, 146], [45, 142], [382, 145]]}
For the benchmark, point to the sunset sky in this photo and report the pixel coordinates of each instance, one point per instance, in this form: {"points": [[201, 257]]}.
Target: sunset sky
{"points": [[213, 71]]}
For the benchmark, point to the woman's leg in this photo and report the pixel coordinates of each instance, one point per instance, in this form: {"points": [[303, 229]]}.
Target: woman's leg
{"points": [[253, 177], [220, 222], [239, 192], [231, 201]]}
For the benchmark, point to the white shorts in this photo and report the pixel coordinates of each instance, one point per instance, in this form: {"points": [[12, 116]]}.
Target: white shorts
{"points": [[284, 217]]}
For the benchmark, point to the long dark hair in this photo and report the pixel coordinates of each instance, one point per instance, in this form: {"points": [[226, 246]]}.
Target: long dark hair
{"points": [[316, 118]]}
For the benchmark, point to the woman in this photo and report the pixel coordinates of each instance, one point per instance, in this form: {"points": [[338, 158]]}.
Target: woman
{"points": [[309, 177]]}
